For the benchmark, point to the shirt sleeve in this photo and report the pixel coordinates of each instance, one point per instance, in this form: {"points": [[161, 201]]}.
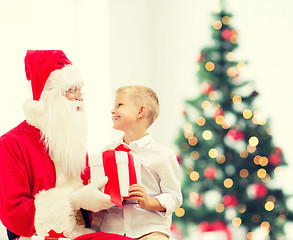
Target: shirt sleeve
{"points": [[169, 174], [16, 202]]}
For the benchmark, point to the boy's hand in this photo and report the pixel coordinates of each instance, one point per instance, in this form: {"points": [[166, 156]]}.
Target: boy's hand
{"points": [[138, 192]]}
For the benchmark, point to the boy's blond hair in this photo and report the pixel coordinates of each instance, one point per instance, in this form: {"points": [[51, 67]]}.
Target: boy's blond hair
{"points": [[143, 95]]}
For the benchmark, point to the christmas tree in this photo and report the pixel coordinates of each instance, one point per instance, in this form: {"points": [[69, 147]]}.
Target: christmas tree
{"points": [[227, 153]]}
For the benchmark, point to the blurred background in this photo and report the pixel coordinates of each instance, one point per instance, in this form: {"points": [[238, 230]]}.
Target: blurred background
{"points": [[155, 43]]}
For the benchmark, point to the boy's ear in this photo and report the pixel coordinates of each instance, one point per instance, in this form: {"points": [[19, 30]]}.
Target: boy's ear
{"points": [[142, 112]]}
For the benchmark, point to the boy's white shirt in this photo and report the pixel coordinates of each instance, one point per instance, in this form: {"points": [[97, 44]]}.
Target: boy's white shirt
{"points": [[160, 176]]}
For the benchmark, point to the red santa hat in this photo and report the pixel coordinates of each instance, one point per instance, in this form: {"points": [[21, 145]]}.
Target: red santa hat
{"points": [[39, 64]]}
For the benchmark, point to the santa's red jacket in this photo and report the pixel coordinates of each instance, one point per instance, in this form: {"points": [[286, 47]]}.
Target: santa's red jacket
{"points": [[26, 170]]}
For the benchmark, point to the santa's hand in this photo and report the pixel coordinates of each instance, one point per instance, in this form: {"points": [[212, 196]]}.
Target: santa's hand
{"points": [[89, 197]]}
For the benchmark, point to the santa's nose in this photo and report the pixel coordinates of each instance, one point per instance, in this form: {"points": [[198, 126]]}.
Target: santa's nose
{"points": [[79, 97]]}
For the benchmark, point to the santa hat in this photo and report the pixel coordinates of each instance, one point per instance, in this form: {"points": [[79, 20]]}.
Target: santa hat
{"points": [[42, 65], [50, 73]]}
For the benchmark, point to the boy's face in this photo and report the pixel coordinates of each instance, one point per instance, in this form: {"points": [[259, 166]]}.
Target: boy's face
{"points": [[124, 113]]}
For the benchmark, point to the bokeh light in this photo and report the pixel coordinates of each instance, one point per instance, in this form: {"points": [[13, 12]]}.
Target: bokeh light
{"points": [[194, 155], [188, 134], [261, 173], [228, 183], [244, 154], [236, 222], [251, 149], [247, 114], [217, 25], [220, 207], [256, 159], [237, 99], [210, 66], [192, 141], [201, 121], [243, 173], [253, 141], [230, 56], [187, 127], [263, 161], [213, 153], [205, 104], [226, 20], [220, 119], [194, 176], [232, 71], [221, 159], [180, 212], [207, 134], [213, 95], [269, 206]]}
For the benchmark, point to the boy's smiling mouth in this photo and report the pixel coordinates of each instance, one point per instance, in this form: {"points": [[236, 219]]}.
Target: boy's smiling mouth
{"points": [[115, 118]]}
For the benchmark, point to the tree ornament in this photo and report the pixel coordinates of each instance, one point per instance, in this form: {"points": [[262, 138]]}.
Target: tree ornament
{"points": [[235, 134], [201, 57], [227, 34], [210, 172], [230, 200], [275, 159], [218, 112], [257, 190], [206, 88], [278, 150], [196, 199]]}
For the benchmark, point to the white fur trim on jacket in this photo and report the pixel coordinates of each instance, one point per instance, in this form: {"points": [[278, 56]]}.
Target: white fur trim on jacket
{"points": [[53, 211]]}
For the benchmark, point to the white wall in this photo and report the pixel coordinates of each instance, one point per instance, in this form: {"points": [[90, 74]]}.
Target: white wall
{"points": [[152, 42]]}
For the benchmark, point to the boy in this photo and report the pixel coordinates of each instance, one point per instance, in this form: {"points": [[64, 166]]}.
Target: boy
{"points": [[148, 213]]}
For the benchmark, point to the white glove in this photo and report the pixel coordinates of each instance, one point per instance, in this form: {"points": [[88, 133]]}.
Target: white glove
{"points": [[89, 197]]}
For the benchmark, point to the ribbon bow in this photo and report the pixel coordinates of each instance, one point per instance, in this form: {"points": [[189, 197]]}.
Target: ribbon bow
{"points": [[54, 235], [110, 167], [216, 226]]}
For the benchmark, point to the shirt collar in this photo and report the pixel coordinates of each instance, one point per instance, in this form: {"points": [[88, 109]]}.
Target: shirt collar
{"points": [[140, 142]]}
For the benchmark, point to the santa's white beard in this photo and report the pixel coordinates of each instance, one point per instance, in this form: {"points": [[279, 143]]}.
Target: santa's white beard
{"points": [[64, 131]]}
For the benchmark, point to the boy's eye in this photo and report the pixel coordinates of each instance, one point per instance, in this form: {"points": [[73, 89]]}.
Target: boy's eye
{"points": [[120, 104]]}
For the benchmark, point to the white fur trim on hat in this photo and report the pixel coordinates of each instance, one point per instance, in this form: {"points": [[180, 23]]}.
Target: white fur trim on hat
{"points": [[64, 78]]}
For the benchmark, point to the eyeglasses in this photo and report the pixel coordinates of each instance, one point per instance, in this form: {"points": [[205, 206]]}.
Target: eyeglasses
{"points": [[76, 92]]}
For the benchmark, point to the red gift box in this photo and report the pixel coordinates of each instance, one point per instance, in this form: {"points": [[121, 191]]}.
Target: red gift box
{"points": [[121, 168]]}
